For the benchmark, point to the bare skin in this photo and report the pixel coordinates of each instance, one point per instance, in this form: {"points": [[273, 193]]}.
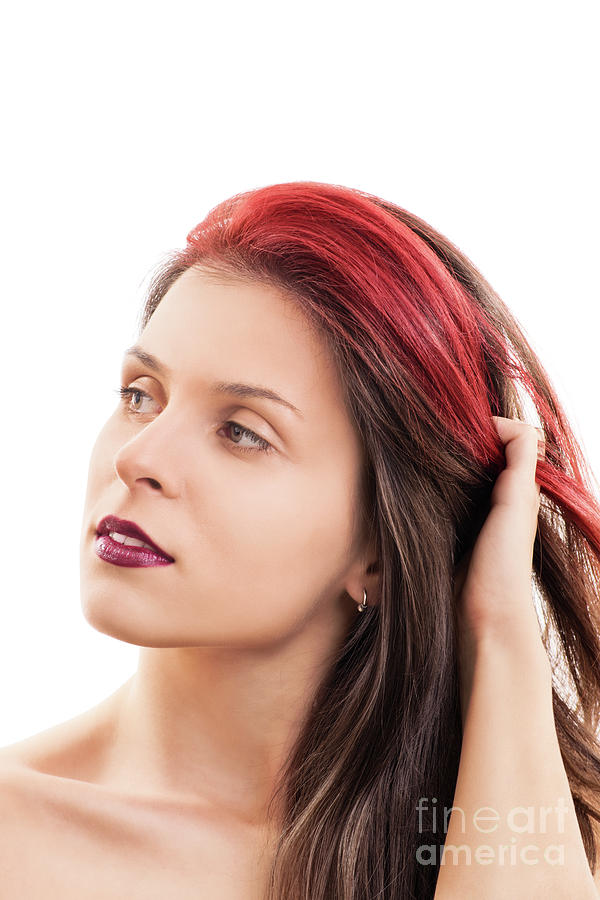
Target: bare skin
{"points": [[67, 835], [162, 789]]}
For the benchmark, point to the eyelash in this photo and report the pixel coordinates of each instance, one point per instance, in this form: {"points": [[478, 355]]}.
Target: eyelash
{"points": [[262, 446]]}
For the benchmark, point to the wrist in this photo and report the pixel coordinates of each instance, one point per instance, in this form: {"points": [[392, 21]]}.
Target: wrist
{"points": [[516, 662]]}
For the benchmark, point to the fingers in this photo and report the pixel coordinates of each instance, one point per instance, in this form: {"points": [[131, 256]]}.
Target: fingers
{"points": [[524, 445]]}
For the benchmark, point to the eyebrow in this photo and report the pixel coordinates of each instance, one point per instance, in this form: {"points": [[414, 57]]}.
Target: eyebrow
{"points": [[219, 387]]}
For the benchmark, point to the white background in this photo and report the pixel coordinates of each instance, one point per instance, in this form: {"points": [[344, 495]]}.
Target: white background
{"points": [[124, 123]]}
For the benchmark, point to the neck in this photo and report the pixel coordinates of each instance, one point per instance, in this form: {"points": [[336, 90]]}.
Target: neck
{"points": [[215, 725]]}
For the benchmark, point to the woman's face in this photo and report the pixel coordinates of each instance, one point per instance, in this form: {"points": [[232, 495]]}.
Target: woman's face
{"points": [[264, 541]]}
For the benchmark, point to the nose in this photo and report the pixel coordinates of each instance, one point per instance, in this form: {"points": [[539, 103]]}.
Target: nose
{"points": [[150, 458]]}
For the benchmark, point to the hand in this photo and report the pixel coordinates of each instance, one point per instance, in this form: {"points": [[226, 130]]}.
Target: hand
{"points": [[510, 756], [493, 587]]}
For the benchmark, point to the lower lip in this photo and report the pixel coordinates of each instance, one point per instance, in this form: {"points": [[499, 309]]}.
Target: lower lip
{"points": [[127, 554]]}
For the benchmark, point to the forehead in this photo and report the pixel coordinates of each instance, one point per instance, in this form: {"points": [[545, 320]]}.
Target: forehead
{"points": [[210, 327]]}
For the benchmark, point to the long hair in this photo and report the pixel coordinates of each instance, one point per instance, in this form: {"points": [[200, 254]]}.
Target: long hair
{"points": [[428, 352]]}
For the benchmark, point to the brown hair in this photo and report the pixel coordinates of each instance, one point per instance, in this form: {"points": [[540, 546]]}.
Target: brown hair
{"points": [[427, 352]]}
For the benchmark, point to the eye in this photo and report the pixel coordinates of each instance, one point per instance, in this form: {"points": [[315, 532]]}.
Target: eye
{"points": [[127, 393], [239, 431]]}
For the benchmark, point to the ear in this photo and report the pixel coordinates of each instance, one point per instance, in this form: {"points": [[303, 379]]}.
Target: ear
{"points": [[364, 574]]}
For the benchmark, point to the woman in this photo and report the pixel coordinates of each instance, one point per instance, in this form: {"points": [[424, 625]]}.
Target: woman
{"points": [[348, 522]]}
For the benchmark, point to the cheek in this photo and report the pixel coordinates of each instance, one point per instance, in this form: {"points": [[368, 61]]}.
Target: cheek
{"points": [[288, 533]]}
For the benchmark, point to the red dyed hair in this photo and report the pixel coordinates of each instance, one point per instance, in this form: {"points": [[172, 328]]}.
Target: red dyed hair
{"points": [[428, 352]]}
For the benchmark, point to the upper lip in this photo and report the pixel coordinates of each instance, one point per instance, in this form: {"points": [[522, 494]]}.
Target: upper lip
{"points": [[124, 526]]}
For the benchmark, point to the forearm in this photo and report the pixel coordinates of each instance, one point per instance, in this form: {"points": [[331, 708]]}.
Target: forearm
{"points": [[513, 825]]}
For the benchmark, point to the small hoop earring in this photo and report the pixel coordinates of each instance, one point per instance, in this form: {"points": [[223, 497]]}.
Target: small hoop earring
{"points": [[362, 606]]}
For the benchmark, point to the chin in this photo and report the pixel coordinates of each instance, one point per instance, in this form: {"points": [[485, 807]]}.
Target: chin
{"points": [[106, 611], [116, 613]]}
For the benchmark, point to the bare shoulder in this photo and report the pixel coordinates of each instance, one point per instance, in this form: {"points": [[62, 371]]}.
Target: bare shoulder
{"points": [[19, 835], [63, 838], [16, 776], [13, 784], [21, 780], [71, 748], [46, 809], [37, 772]]}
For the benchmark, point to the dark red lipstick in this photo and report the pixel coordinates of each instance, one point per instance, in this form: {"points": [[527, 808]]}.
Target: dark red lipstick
{"points": [[113, 550]]}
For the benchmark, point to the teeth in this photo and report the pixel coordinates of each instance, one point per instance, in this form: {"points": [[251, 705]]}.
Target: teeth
{"points": [[130, 541]]}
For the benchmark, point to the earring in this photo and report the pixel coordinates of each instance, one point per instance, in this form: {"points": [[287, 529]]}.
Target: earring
{"points": [[362, 606]]}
